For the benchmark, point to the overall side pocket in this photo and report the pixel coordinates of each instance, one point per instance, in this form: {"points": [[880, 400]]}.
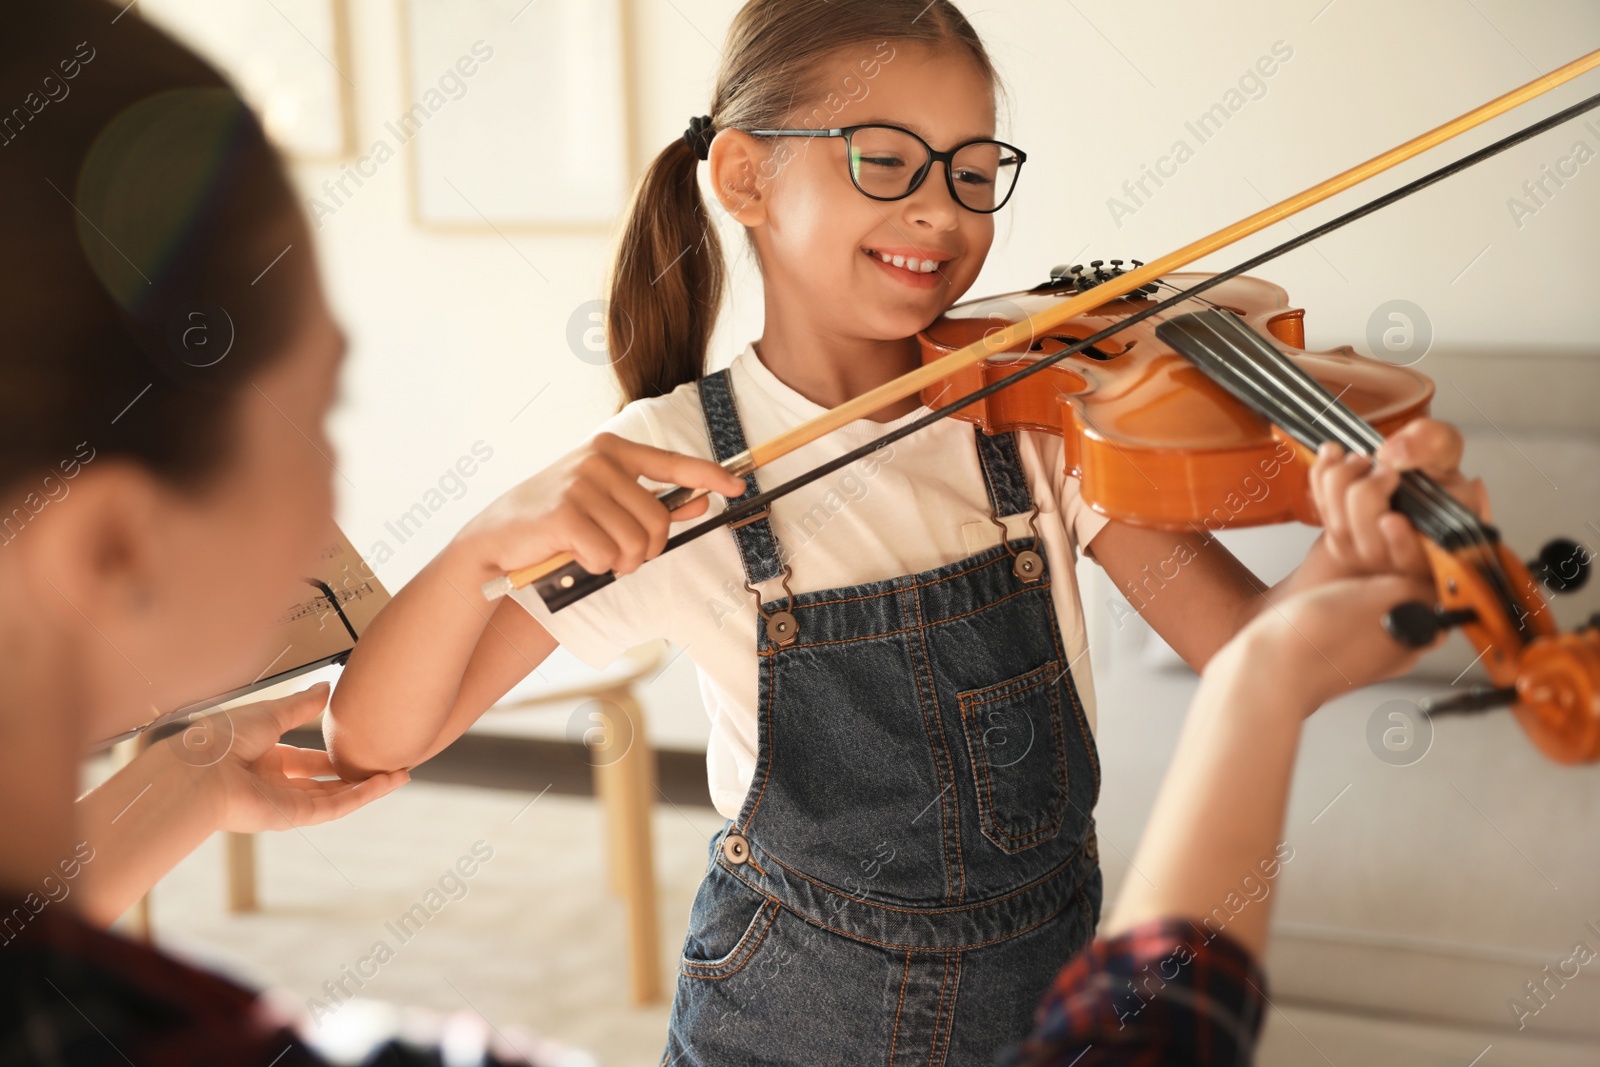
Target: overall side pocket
{"points": [[727, 924], [1016, 743]]}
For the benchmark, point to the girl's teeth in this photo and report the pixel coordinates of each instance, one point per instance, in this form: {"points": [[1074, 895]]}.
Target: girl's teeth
{"points": [[920, 266]]}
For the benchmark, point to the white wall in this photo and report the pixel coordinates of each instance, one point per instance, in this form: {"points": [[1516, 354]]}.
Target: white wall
{"points": [[453, 334]]}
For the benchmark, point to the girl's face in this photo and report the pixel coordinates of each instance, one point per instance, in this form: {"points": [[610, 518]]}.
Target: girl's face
{"points": [[822, 243]]}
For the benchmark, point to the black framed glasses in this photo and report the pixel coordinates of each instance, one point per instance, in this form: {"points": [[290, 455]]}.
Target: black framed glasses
{"points": [[889, 163]]}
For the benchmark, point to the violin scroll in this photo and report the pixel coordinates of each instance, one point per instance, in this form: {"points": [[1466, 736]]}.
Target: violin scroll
{"points": [[1550, 679]]}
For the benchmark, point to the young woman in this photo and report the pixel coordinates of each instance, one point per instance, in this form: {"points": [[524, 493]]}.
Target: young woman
{"points": [[901, 717], [157, 507]]}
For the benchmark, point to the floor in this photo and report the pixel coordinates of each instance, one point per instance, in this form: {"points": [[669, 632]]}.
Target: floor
{"points": [[532, 940]]}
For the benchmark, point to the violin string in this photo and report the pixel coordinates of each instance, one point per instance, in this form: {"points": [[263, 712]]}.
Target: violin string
{"points": [[1433, 506], [1451, 512], [755, 504], [1291, 379]]}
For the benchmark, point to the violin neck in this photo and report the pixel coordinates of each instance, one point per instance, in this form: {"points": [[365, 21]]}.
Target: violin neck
{"points": [[1258, 374]]}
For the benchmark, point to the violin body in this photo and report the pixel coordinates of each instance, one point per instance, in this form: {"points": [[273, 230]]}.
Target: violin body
{"points": [[1153, 440]]}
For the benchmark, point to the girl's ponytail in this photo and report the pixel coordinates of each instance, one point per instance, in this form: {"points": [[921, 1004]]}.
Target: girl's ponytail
{"points": [[666, 286]]}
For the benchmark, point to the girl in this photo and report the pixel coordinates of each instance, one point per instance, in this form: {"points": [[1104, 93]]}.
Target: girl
{"points": [[893, 661]]}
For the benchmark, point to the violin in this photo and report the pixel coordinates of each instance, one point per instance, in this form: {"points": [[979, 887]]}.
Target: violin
{"points": [[1245, 340], [1152, 440], [1207, 415]]}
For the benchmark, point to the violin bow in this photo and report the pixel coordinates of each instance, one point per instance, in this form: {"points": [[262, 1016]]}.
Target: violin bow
{"points": [[560, 581]]}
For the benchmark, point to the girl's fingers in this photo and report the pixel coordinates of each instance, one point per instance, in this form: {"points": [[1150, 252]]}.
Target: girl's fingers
{"points": [[1424, 444], [1336, 481], [1365, 502], [589, 544], [692, 510], [631, 537], [642, 504], [673, 468], [1405, 544], [1328, 453]]}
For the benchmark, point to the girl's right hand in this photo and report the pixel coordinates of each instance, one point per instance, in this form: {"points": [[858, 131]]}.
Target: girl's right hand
{"points": [[590, 503]]}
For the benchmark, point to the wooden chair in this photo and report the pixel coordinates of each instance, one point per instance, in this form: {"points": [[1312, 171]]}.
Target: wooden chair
{"points": [[624, 767]]}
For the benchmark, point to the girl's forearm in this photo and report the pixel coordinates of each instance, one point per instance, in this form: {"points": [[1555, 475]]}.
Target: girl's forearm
{"points": [[430, 663], [401, 682], [140, 823], [1212, 838]]}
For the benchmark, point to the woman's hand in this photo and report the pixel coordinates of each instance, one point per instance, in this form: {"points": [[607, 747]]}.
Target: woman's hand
{"points": [[590, 503], [1219, 815], [254, 783], [225, 771], [1325, 641], [1361, 535]]}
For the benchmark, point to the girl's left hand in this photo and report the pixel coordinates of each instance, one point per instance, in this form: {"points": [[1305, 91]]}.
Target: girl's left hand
{"points": [[1361, 535], [253, 783]]}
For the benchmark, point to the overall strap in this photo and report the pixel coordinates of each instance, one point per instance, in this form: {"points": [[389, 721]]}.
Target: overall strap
{"points": [[758, 549], [1003, 474]]}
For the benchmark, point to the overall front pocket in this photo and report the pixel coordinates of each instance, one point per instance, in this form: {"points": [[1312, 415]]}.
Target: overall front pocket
{"points": [[727, 924], [1016, 742]]}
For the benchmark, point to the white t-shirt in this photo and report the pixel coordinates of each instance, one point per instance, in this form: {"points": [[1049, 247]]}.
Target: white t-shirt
{"points": [[915, 506]]}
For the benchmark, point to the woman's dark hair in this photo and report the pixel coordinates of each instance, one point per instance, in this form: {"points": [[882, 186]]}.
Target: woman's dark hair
{"points": [[141, 205], [668, 275]]}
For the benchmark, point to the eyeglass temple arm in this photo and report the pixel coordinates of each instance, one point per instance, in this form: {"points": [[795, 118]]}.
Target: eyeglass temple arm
{"points": [[796, 133]]}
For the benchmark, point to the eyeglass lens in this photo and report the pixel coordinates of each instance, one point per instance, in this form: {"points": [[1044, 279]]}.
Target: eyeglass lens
{"points": [[886, 163]]}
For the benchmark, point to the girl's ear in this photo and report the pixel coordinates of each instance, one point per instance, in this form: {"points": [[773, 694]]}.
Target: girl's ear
{"points": [[740, 167]]}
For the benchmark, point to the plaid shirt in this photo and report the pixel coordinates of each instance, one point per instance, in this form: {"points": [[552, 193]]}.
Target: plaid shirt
{"points": [[75, 996], [1164, 993]]}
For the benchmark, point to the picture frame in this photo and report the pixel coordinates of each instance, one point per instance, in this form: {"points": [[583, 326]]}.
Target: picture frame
{"points": [[290, 60], [539, 137]]}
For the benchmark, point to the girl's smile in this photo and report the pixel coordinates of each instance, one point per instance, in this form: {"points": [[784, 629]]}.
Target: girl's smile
{"points": [[919, 268]]}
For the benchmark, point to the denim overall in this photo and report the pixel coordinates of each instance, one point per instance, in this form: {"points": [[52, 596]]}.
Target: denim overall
{"points": [[915, 858]]}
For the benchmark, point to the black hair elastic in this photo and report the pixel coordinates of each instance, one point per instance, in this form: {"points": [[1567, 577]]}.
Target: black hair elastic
{"points": [[698, 136]]}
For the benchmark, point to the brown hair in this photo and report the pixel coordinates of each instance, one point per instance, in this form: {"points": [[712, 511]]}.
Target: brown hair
{"points": [[139, 191], [668, 277]]}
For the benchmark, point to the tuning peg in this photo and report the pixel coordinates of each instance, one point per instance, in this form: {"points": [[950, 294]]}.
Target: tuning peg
{"points": [[1477, 698], [1562, 566], [1416, 624]]}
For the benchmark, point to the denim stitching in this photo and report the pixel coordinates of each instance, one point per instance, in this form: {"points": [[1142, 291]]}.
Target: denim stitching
{"points": [[949, 812], [740, 954], [1037, 587], [894, 1038], [1027, 542], [1048, 876], [986, 805]]}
